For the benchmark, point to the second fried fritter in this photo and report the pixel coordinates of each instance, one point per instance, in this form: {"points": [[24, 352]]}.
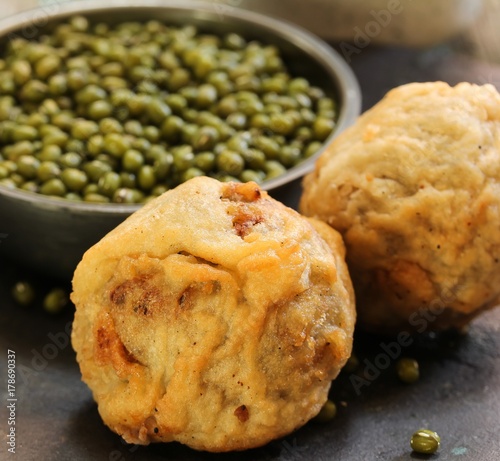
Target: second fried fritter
{"points": [[414, 188]]}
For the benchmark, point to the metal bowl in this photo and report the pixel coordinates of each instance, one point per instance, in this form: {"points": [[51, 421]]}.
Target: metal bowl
{"points": [[50, 235]]}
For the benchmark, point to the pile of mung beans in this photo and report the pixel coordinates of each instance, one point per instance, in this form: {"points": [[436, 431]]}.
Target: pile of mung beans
{"points": [[123, 113]]}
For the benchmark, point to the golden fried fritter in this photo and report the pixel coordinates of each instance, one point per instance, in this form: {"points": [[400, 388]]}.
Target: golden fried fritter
{"points": [[214, 316], [414, 189]]}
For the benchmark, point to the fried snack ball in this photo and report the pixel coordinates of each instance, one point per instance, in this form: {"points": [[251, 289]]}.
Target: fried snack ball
{"points": [[414, 189], [214, 316]]}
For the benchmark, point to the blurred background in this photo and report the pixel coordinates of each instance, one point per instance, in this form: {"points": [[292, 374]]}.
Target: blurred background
{"points": [[388, 22]]}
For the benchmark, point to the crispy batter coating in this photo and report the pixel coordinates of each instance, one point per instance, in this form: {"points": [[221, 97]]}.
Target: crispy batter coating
{"points": [[214, 316], [414, 189]]}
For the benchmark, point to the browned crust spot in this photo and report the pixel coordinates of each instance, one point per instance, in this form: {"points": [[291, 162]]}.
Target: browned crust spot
{"points": [[188, 298], [138, 294], [109, 348], [242, 413], [243, 223], [241, 192]]}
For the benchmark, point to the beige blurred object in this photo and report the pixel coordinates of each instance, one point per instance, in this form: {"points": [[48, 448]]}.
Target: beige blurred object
{"points": [[8, 7], [413, 23], [484, 36]]}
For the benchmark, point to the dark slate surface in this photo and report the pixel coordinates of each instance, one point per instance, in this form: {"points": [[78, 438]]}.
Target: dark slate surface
{"points": [[457, 395]]}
